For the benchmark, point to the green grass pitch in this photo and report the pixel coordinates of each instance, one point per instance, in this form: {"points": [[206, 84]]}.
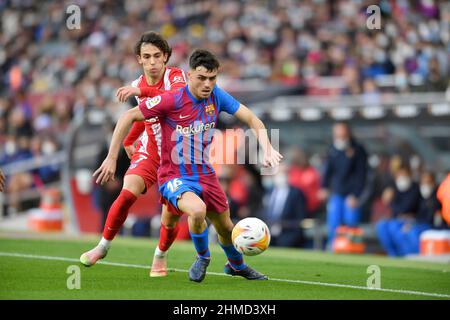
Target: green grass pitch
{"points": [[33, 268]]}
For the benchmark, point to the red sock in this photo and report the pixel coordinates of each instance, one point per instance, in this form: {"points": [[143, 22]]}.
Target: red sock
{"points": [[167, 236], [118, 214]]}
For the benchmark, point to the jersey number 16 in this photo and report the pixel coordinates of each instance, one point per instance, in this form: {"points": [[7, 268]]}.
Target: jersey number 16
{"points": [[174, 184]]}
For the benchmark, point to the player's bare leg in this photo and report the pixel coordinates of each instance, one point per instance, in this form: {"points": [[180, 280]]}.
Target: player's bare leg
{"points": [[236, 265], [168, 233], [195, 208], [133, 186]]}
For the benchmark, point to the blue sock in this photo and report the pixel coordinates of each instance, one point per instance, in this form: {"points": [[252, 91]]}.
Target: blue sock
{"points": [[234, 257], [201, 243]]}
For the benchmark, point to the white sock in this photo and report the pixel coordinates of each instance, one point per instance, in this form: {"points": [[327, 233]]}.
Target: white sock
{"points": [[159, 252], [105, 243]]}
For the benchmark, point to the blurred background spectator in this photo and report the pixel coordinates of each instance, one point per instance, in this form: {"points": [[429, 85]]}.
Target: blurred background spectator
{"points": [[403, 197], [284, 209], [343, 180], [428, 215], [303, 176]]}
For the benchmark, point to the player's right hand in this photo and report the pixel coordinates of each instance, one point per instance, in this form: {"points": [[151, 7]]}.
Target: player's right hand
{"points": [[123, 93], [271, 158], [2, 181], [106, 171], [129, 150]]}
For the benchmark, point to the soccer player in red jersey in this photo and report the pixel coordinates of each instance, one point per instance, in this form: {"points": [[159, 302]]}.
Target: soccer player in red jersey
{"points": [[187, 182], [153, 53]]}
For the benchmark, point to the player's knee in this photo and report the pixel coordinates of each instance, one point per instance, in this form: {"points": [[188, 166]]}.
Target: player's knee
{"points": [[134, 184], [198, 212], [170, 223]]}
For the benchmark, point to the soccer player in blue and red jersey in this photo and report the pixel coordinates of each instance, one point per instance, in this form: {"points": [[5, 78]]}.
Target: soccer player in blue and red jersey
{"points": [[188, 183], [152, 52]]}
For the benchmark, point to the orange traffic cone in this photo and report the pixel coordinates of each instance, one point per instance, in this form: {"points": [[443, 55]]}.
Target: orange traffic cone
{"points": [[48, 217]]}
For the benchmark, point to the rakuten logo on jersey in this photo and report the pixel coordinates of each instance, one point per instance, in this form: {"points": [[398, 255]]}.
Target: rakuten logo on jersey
{"points": [[194, 129]]}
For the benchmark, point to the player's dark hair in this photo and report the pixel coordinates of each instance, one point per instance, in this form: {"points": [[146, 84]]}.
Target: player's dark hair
{"points": [[203, 58], [155, 39]]}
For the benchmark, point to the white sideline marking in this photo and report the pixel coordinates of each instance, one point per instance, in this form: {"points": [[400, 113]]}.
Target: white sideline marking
{"points": [[139, 266]]}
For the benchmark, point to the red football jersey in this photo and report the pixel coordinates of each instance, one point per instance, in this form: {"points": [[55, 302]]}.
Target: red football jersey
{"points": [[150, 138]]}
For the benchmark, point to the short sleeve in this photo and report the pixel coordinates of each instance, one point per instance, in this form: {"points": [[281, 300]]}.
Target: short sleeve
{"points": [[177, 79], [157, 106], [225, 101]]}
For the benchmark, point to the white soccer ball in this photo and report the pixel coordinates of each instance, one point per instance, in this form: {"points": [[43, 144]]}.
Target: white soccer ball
{"points": [[251, 236]]}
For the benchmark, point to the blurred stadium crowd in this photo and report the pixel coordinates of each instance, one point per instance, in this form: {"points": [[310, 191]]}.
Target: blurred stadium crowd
{"points": [[51, 75]]}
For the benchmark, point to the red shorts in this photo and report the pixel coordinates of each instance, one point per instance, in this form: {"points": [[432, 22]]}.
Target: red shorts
{"points": [[207, 187], [145, 166]]}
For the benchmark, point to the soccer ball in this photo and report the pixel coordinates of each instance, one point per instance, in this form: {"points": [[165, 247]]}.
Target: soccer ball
{"points": [[250, 236]]}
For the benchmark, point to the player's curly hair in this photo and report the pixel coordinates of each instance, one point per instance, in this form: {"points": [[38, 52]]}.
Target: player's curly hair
{"points": [[155, 39], [205, 59]]}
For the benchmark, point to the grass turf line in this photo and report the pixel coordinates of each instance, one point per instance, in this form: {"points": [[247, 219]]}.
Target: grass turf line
{"points": [[46, 279]]}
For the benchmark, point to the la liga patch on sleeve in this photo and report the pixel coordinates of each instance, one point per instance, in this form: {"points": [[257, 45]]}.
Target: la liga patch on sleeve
{"points": [[150, 103]]}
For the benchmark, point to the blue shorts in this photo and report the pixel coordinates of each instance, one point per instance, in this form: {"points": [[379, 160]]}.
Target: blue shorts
{"points": [[207, 187]]}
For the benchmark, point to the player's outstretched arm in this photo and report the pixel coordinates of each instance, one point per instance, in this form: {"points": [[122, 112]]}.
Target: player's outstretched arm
{"points": [[108, 168], [271, 156], [125, 92]]}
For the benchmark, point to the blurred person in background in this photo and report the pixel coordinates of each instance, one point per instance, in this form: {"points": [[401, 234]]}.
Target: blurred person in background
{"points": [[395, 163], [403, 197], [20, 125], [436, 80], [371, 94], [428, 215], [225, 175], [379, 179], [20, 181], [343, 179], [245, 192], [284, 209], [234, 180], [303, 176], [46, 147]]}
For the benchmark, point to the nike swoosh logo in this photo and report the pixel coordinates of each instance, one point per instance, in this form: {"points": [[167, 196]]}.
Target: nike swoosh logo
{"points": [[182, 117]]}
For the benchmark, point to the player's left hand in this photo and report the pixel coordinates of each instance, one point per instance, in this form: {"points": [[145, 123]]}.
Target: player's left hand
{"points": [[106, 171], [123, 93], [2, 181], [271, 158]]}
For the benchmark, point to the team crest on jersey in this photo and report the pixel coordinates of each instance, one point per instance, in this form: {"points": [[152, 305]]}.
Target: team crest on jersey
{"points": [[209, 109], [150, 103]]}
